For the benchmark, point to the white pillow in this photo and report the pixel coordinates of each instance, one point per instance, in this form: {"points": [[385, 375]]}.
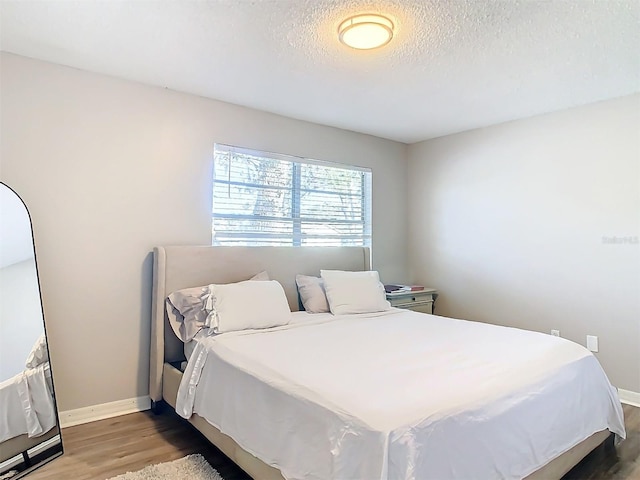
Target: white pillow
{"points": [[354, 292], [311, 291], [186, 309], [247, 305], [38, 354]]}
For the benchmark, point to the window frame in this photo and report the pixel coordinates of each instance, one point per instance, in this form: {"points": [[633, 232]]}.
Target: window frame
{"points": [[296, 237]]}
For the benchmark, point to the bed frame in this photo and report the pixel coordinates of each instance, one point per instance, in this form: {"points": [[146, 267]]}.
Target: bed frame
{"points": [[21, 444], [190, 266]]}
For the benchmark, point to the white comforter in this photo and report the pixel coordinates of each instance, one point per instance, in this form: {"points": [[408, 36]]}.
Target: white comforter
{"points": [[26, 403], [400, 395]]}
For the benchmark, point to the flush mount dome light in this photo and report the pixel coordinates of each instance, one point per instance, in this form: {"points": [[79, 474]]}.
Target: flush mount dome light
{"points": [[365, 32]]}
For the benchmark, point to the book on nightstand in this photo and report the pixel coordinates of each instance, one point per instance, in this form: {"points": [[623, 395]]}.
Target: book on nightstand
{"points": [[402, 288]]}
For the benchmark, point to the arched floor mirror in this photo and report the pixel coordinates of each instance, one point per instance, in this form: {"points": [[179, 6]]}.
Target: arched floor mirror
{"points": [[29, 432]]}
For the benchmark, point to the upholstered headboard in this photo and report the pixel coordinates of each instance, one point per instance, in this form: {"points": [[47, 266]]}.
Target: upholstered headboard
{"points": [[175, 268]]}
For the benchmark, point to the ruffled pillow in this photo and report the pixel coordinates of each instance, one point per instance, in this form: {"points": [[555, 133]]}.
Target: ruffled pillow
{"points": [[186, 309], [39, 353]]}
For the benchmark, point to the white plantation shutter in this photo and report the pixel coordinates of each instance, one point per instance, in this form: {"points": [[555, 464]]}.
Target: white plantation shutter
{"points": [[270, 199]]}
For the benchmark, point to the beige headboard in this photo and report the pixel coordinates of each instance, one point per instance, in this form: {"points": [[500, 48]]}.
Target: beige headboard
{"points": [[175, 268]]}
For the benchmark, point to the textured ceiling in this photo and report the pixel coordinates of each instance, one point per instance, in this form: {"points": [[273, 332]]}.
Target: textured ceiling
{"points": [[452, 66]]}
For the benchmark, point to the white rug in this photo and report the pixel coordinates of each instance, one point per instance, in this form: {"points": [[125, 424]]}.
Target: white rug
{"points": [[192, 467]]}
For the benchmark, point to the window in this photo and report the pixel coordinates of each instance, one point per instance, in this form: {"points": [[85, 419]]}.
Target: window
{"points": [[269, 199]]}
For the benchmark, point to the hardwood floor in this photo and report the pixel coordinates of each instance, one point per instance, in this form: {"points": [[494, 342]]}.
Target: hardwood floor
{"points": [[103, 449], [607, 462], [99, 450]]}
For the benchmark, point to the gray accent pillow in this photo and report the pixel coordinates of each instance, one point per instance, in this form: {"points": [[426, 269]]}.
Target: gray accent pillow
{"points": [[312, 294]]}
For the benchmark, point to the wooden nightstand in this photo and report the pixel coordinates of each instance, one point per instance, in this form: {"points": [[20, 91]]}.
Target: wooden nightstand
{"points": [[419, 301]]}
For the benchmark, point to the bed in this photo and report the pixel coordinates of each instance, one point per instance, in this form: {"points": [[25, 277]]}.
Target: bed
{"points": [[389, 444], [27, 411]]}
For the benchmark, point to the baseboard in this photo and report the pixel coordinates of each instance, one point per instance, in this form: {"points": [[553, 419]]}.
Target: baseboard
{"points": [[629, 397], [69, 418]]}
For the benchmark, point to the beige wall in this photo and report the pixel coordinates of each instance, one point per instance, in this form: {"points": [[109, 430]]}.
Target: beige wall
{"points": [[109, 169], [508, 222]]}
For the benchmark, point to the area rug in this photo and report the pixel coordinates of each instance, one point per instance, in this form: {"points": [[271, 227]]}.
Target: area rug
{"points": [[192, 467]]}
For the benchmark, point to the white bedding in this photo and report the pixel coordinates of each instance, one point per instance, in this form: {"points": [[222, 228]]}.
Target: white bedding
{"points": [[399, 395], [26, 403]]}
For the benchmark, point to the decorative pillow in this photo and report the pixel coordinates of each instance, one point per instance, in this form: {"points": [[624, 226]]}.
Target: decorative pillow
{"points": [[38, 354], [311, 291], [354, 292], [186, 309], [263, 276], [186, 313], [247, 305]]}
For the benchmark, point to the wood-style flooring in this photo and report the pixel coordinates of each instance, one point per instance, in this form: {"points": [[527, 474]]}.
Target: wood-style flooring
{"points": [[100, 450], [103, 449], [614, 463]]}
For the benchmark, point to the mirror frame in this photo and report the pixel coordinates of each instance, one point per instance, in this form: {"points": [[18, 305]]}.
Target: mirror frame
{"points": [[51, 446]]}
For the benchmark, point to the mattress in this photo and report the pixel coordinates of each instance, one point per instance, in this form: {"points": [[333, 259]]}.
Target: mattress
{"points": [[399, 395], [26, 403]]}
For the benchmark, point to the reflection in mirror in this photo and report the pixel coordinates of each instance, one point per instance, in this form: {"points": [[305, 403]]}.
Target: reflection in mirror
{"points": [[29, 434]]}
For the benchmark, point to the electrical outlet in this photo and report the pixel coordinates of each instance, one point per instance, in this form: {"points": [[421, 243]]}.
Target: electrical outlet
{"points": [[592, 343], [555, 333]]}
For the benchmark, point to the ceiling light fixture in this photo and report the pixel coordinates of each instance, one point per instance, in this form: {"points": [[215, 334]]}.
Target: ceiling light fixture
{"points": [[367, 31]]}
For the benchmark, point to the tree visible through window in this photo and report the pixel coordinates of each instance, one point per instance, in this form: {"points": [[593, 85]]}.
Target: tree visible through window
{"points": [[269, 199]]}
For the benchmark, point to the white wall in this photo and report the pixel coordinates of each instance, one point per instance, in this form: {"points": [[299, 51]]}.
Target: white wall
{"points": [[109, 169], [508, 222], [20, 315]]}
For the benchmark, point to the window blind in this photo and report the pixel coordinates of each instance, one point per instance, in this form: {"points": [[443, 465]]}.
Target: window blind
{"points": [[262, 198]]}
